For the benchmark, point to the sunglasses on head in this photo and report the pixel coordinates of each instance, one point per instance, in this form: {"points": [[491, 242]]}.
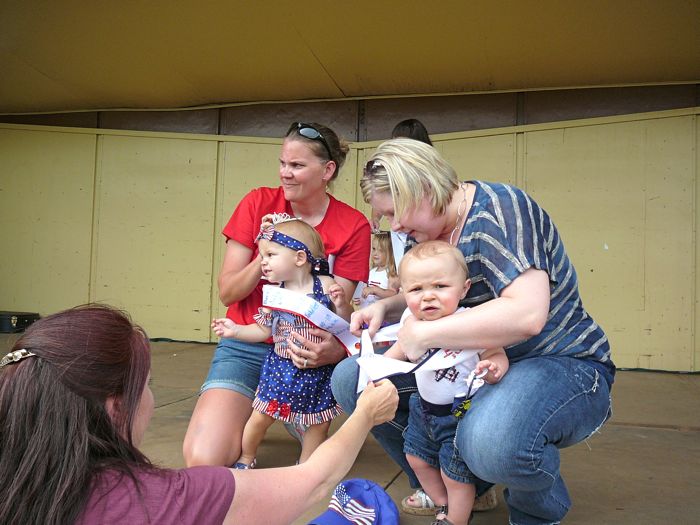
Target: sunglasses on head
{"points": [[371, 168], [309, 132]]}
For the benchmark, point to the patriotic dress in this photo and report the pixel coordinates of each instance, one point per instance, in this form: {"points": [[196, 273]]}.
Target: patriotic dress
{"points": [[288, 393]]}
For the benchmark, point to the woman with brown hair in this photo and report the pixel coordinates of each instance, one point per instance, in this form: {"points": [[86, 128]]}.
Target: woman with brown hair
{"points": [[74, 405]]}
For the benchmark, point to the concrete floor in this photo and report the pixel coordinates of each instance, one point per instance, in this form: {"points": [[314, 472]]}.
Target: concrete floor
{"points": [[643, 467]]}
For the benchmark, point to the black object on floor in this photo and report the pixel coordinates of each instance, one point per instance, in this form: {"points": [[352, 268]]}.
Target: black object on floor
{"points": [[11, 322]]}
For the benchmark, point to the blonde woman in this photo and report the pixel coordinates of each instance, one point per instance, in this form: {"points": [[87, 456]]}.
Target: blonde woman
{"points": [[524, 297]]}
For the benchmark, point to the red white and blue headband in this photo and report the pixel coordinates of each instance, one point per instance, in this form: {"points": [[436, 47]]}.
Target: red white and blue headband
{"points": [[319, 266]]}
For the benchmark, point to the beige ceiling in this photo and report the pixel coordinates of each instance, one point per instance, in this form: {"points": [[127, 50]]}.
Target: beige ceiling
{"points": [[58, 55]]}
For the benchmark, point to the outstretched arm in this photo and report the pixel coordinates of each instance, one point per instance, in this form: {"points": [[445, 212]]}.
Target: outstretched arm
{"points": [[250, 333], [296, 489]]}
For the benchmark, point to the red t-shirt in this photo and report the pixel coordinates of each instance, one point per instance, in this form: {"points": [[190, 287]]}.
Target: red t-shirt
{"points": [[188, 497], [344, 230]]}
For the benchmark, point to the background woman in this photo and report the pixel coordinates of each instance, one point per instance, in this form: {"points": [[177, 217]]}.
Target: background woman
{"points": [[310, 159], [413, 129], [524, 297], [74, 405]]}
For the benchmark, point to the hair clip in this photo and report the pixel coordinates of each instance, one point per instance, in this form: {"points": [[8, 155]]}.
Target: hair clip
{"points": [[15, 356]]}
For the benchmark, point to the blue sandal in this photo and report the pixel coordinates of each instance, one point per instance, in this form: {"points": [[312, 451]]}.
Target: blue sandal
{"points": [[244, 466]]}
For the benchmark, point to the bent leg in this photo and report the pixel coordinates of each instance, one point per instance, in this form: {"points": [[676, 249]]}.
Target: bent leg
{"points": [[390, 434], [514, 430], [216, 427]]}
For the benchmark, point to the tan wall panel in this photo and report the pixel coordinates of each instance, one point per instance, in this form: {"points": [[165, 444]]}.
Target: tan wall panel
{"points": [[154, 229], [622, 197], [242, 167], [46, 191], [623, 192], [491, 158], [345, 185]]}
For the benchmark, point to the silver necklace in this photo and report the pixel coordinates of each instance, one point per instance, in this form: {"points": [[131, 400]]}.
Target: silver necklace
{"points": [[462, 208]]}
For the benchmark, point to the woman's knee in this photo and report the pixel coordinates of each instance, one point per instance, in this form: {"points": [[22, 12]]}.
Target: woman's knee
{"points": [[344, 384], [216, 427]]}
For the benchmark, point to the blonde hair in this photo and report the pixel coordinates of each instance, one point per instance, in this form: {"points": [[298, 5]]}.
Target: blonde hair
{"points": [[428, 249], [305, 233], [383, 240], [411, 171]]}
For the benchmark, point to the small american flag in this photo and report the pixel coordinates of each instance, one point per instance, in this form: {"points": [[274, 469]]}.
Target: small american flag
{"points": [[350, 508]]}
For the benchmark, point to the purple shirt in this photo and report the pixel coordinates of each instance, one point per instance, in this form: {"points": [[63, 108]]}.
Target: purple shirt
{"points": [[197, 495]]}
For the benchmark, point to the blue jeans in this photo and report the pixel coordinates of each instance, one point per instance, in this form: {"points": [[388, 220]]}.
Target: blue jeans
{"points": [[432, 439], [513, 431], [390, 434], [236, 366]]}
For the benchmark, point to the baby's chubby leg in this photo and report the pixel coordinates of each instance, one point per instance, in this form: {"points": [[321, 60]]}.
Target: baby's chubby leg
{"points": [[253, 434], [313, 437]]}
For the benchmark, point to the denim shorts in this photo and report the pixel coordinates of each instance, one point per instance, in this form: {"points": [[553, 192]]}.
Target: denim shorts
{"points": [[432, 439], [236, 366]]}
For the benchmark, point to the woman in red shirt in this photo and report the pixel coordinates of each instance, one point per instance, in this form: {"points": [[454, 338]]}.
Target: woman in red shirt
{"points": [[311, 157]]}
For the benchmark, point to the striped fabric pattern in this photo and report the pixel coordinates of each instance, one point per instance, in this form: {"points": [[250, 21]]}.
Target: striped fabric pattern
{"points": [[506, 233], [282, 327], [283, 412]]}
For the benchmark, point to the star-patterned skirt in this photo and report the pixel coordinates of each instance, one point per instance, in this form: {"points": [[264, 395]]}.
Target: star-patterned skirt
{"points": [[295, 395]]}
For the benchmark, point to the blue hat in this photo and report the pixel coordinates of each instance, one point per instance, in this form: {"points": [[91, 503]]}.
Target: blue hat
{"points": [[359, 502]]}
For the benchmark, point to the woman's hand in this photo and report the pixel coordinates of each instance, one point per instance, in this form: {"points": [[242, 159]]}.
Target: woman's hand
{"points": [[379, 400], [370, 317], [309, 354]]}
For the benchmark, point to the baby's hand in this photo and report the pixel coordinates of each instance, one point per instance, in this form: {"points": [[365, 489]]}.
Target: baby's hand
{"points": [[337, 294], [494, 374], [224, 327]]}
